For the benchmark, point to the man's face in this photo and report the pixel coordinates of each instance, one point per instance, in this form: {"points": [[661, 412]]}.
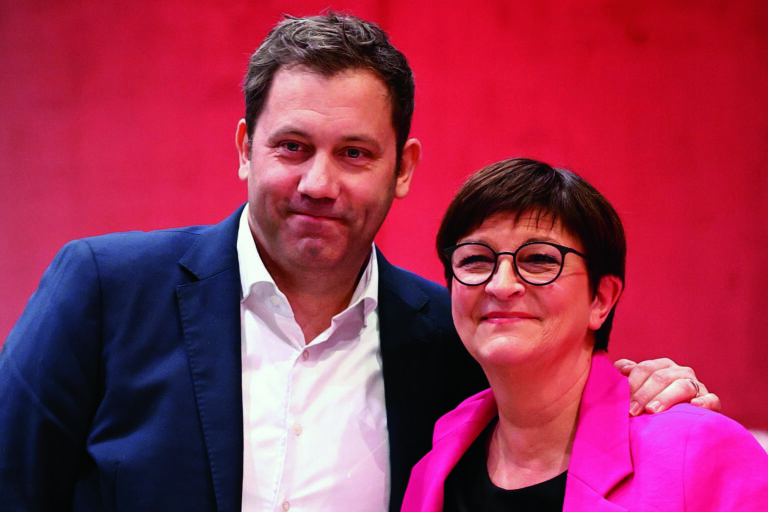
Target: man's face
{"points": [[321, 169]]}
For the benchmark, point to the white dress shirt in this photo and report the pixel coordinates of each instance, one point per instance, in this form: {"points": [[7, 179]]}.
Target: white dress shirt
{"points": [[315, 424]]}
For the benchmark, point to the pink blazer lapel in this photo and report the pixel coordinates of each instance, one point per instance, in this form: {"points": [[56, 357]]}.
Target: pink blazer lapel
{"points": [[454, 433], [580, 496], [601, 456]]}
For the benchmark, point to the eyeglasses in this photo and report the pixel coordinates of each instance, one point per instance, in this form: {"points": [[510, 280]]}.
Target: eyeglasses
{"points": [[537, 263]]}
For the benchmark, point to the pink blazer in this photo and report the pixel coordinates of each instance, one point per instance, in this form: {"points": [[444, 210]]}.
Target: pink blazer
{"points": [[686, 458]]}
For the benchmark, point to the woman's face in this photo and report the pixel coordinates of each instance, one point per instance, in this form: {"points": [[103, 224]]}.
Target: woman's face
{"points": [[507, 321]]}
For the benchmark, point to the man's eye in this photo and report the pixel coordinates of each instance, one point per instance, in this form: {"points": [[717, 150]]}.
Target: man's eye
{"points": [[291, 146], [353, 153]]}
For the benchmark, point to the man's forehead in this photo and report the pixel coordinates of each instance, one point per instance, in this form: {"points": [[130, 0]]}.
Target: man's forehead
{"points": [[316, 76], [326, 73], [302, 101]]}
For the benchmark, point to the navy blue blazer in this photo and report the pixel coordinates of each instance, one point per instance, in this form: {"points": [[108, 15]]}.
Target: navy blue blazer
{"points": [[120, 385]]}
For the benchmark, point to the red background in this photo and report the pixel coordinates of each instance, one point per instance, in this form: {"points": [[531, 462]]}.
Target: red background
{"points": [[121, 115]]}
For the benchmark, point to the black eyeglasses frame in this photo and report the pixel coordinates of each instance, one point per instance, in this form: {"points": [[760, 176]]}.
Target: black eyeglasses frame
{"points": [[448, 252]]}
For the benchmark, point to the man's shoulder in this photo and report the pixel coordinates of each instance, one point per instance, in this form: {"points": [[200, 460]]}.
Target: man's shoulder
{"points": [[400, 280], [155, 239], [138, 245], [139, 250], [158, 244], [403, 293]]}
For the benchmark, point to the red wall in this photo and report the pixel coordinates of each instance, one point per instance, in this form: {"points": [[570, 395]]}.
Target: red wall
{"points": [[123, 117]]}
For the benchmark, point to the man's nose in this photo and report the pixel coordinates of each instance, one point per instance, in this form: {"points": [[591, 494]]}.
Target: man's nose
{"points": [[320, 179]]}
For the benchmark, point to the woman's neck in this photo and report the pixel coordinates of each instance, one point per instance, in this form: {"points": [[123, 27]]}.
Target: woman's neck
{"points": [[538, 409]]}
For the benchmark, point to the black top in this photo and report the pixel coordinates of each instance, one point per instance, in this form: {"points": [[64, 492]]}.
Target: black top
{"points": [[468, 488]]}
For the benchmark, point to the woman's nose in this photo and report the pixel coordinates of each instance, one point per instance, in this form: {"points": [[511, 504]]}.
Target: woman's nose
{"points": [[505, 281]]}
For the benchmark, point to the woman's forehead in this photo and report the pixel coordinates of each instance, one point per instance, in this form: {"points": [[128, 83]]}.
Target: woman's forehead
{"points": [[533, 222], [529, 220]]}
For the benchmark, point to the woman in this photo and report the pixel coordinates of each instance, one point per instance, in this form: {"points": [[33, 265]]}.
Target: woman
{"points": [[534, 258]]}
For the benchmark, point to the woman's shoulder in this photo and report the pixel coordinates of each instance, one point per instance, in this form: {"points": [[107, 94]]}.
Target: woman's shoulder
{"points": [[713, 461], [681, 418], [693, 431]]}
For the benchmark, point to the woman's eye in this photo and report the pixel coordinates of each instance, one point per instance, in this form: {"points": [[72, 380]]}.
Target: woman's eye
{"points": [[475, 260], [541, 258]]}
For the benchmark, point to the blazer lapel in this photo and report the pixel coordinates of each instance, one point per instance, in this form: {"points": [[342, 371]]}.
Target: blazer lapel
{"points": [[210, 317], [407, 377], [580, 496], [454, 434], [601, 457]]}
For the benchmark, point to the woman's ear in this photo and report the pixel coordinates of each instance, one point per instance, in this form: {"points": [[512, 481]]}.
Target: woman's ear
{"points": [[607, 294]]}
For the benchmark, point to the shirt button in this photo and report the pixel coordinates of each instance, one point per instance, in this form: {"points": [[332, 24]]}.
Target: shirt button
{"points": [[275, 300], [305, 355], [286, 505], [297, 429]]}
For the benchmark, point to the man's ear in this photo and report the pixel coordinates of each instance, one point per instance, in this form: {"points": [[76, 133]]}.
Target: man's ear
{"points": [[607, 294], [408, 162], [243, 144]]}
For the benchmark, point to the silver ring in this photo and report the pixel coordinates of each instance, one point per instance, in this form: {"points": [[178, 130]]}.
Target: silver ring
{"points": [[696, 385]]}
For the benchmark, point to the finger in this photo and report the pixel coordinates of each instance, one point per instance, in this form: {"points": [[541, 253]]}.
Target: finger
{"points": [[624, 366], [663, 372], [679, 391], [666, 386], [702, 388], [708, 401]]}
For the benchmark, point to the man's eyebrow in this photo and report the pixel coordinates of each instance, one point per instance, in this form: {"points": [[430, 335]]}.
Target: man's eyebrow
{"points": [[365, 139], [286, 131]]}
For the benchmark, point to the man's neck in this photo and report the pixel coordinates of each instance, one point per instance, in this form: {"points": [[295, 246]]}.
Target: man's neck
{"points": [[317, 295], [314, 312]]}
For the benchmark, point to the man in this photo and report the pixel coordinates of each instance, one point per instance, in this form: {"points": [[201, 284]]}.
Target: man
{"points": [[269, 361]]}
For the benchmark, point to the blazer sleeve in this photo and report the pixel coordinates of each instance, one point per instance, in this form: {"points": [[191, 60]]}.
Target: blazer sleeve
{"points": [[725, 467], [49, 385]]}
